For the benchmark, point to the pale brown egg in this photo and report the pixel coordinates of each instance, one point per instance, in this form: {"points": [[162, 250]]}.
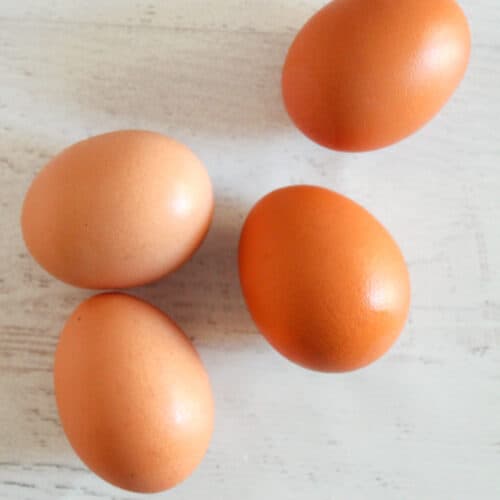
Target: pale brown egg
{"points": [[133, 396], [118, 210]]}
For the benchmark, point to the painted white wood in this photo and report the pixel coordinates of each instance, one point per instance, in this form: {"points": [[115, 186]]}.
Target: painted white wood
{"points": [[424, 422]]}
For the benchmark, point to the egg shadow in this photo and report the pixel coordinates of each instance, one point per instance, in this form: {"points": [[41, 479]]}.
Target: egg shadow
{"points": [[181, 82], [204, 295]]}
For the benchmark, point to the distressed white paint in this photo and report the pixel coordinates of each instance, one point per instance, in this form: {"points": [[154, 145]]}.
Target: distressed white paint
{"points": [[423, 423]]}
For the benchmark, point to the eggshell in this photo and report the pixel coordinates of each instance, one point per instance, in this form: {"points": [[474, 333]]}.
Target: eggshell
{"points": [[118, 210], [363, 74], [323, 280], [134, 399]]}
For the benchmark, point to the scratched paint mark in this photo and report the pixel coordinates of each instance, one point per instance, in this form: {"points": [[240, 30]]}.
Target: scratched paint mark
{"points": [[19, 484], [491, 311], [480, 350], [482, 253]]}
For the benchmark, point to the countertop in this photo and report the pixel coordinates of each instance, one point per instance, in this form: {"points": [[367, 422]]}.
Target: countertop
{"points": [[424, 421]]}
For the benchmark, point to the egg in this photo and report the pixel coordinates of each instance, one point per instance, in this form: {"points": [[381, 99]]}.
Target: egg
{"points": [[323, 280], [118, 210], [133, 396], [364, 74]]}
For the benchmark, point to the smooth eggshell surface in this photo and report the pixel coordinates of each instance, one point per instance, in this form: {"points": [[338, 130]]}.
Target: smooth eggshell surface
{"points": [[363, 74], [134, 399], [118, 210], [323, 280]]}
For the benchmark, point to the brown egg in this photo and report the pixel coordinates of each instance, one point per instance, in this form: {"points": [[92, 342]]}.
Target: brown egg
{"points": [[118, 210], [323, 280], [363, 74], [134, 399]]}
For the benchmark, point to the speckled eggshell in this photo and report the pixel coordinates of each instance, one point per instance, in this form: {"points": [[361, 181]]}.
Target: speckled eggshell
{"points": [[133, 396], [363, 74], [324, 281], [118, 210]]}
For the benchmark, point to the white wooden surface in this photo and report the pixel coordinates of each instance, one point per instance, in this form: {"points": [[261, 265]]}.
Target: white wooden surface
{"points": [[423, 423]]}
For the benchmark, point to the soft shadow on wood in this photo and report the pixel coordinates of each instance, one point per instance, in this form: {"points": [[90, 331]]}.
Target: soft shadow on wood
{"points": [[204, 296], [178, 81]]}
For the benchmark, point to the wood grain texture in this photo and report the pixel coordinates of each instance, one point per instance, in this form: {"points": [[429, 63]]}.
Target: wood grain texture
{"points": [[423, 423]]}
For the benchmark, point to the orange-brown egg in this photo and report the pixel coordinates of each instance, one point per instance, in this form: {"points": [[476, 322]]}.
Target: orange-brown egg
{"points": [[323, 280], [118, 210], [363, 74], [134, 399]]}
